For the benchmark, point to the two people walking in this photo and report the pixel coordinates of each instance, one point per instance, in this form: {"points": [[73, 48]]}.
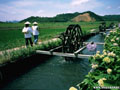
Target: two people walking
{"points": [[28, 31]]}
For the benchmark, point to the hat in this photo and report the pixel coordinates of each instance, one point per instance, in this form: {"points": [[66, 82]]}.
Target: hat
{"points": [[35, 23], [92, 42], [27, 22]]}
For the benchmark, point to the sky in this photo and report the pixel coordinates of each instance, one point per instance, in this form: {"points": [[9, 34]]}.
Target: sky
{"points": [[20, 9]]}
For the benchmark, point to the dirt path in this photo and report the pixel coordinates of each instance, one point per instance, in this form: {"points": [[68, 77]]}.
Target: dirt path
{"points": [[17, 48]]}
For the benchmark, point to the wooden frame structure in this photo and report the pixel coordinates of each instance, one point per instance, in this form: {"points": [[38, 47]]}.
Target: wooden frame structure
{"points": [[72, 55], [72, 44]]}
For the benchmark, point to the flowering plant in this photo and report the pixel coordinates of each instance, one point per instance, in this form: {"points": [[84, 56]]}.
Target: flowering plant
{"points": [[105, 66], [112, 41]]}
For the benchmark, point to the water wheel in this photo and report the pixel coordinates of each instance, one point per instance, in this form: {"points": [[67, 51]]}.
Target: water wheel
{"points": [[102, 27], [72, 39]]}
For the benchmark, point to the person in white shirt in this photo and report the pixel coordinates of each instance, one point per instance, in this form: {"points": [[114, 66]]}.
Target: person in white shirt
{"points": [[27, 30], [35, 32]]}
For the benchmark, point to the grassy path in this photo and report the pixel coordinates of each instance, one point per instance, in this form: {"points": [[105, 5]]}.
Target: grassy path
{"points": [[18, 48]]}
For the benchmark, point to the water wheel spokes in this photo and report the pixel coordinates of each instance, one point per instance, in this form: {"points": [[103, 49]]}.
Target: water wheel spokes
{"points": [[72, 39]]}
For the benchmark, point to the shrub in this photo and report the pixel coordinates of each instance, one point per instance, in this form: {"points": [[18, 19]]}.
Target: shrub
{"points": [[14, 55], [105, 67]]}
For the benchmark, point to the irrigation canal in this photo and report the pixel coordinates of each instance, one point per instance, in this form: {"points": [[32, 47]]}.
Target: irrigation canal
{"points": [[53, 73]]}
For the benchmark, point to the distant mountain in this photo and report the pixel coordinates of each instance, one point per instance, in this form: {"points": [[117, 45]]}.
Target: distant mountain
{"points": [[58, 18], [14, 21], [95, 16], [87, 16], [66, 17], [111, 17], [75, 17], [1, 22], [84, 17]]}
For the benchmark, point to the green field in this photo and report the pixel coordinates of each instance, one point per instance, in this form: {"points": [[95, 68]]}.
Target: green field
{"points": [[11, 35]]}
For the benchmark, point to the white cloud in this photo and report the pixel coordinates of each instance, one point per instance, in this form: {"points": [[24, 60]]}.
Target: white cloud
{"points": [[69, 11], [109, 7], [79, 2], [22, 3], [119, 7], [79, 5], [85, 5], [13, 13], [21, 9], [30, 3]]}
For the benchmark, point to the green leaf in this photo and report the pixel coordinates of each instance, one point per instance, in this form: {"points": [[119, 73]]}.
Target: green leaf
{"points": [[118, 71], [86, 81], [112, 59], [108, 84], [114, 77], [99, 77], [87, 76]]}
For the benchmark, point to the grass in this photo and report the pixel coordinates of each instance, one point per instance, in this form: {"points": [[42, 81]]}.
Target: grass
{"points": [[14, 37], [8, 57], [10, 39]]}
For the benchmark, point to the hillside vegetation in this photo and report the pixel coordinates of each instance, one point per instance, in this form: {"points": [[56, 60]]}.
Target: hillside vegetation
{"points": [[74, 17], [111, 17], [63, 17], [57, 18]]}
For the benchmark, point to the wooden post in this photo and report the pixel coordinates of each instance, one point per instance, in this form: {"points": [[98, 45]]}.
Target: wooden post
{"points": [[63, 54], [51, 50], [76, 52], [100, 43]]}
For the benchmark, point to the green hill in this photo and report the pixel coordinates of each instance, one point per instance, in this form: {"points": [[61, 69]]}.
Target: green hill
{"points": [[87, 16], [111, 17], [95, 16], [58, 18], [69, 17]]}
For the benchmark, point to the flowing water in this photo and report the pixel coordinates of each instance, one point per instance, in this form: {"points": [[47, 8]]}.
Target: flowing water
{"points": [[55, 73]]}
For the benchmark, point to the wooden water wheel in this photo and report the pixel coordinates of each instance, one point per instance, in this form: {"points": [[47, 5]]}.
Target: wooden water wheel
{"points": [[72, 39], [102, 27], [72, 44]]}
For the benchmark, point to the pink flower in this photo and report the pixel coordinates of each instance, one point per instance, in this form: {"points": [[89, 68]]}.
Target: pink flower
{"points": [[91, 47]]}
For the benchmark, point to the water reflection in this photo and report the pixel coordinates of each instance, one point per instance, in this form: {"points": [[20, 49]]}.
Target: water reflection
{"points": [[55, 74]]}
